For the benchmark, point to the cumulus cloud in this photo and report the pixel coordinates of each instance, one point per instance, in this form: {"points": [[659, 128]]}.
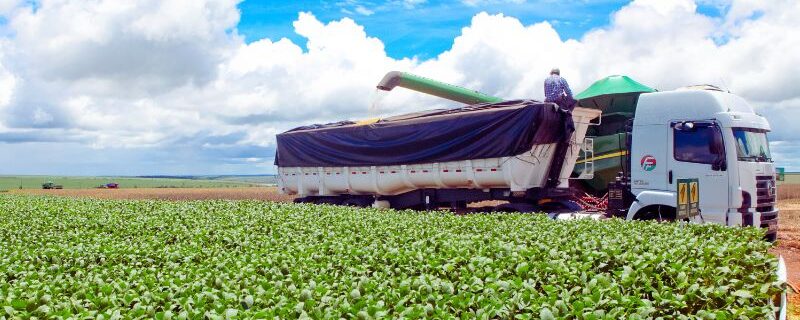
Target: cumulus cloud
{"points": [[474, 3], [363, 11], [8, 6], [112, 47], [157, 76], [8, 83], [413, 3]]}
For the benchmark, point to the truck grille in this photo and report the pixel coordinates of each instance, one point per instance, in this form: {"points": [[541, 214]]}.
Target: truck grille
{"points": [[765, 204], [765, 193]]}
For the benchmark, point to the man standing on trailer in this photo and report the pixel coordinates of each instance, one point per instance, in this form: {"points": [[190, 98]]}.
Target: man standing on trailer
{"points": [[556, 90]]}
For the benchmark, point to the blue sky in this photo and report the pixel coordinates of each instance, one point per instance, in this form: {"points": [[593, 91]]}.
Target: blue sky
{"points": [[109, 87], [428, 28]]}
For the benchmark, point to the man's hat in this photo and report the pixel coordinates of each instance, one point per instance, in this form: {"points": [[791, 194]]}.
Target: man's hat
{"points": [[555, 71]]}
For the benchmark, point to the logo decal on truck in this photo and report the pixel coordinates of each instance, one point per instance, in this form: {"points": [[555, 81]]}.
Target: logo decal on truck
{"points": [[648, 163]]}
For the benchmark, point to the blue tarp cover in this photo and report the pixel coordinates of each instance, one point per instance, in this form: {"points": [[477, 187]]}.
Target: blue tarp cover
{"points": [[474, 132]]}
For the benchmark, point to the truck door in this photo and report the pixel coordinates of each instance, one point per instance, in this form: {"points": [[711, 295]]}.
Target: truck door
{"points": [[697, 152]]}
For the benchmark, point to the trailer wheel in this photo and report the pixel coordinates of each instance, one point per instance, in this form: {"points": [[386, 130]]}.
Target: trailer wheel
{"points": [[358, 202], [657, 213], [560, 206], [329, 200], [319, 200], [515, 207]]}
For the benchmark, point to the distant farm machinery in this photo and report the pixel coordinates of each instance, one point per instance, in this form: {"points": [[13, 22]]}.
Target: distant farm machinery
{"points": [[51, 185]]}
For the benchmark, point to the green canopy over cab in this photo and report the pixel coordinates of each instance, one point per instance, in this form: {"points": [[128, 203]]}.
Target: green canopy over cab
{"points": [[616, 96], [613, 85]]}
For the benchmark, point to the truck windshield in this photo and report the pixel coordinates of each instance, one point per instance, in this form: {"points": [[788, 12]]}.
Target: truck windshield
{"points": [[752, 145]]}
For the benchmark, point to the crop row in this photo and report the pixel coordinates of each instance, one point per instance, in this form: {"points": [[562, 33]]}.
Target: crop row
{"points": [[65, 258]]}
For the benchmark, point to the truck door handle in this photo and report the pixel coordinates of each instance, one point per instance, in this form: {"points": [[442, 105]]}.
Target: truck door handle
{"points": [[669, 177]]}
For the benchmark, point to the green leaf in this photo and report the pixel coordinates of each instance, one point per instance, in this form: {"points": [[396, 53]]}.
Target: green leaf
{"points": [[743, 294], [247, 302], [91, 259], [546, 314], [19, 304], [355, 294], [522, 268]]}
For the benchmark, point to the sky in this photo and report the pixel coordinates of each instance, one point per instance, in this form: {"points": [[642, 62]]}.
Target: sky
{"points": [[426, 28], [108, 87]]}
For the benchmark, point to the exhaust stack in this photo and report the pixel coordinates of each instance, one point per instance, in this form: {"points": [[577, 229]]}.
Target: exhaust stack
{"points": [[432, 87]]}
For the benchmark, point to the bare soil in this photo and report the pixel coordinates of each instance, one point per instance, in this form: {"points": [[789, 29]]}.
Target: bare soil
{"points": [[788, 191], [788, 245]]}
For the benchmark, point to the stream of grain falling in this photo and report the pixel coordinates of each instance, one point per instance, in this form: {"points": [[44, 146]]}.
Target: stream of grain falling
{"points": [[375, 106]]}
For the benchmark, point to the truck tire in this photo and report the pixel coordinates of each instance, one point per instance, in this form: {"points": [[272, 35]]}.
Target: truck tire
{"points": [[657, 213], [560, 206], [329, 200], [320, 200], [358, 202], [515, 207]]}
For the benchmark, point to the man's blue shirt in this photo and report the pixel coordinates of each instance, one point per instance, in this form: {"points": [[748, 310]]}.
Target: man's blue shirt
{"points": [[554, 86]]}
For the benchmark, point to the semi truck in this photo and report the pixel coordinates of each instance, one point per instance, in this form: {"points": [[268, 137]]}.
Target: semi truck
{"points": [[696, 153]]}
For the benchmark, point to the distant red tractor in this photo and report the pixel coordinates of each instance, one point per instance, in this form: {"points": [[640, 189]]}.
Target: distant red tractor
{"points": [[112, 185]]}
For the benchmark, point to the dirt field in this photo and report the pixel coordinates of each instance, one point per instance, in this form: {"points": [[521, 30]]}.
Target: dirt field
{"points": [[789, 191], [788, 246]]}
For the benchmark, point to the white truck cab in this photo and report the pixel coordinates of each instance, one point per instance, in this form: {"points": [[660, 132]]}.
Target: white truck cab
{"points": [[704, 147]]}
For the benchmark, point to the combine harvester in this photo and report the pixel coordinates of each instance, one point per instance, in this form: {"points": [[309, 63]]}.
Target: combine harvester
{"points": [[50, 185], [696, 153]]}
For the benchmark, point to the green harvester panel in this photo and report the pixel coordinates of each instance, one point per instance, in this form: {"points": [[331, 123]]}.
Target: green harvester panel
{"points": [[609, 157], [781, 174], [688, 198], [616, 96]]}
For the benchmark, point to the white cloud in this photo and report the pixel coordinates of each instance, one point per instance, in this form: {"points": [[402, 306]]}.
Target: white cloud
{"points": [[363, 11], [135, 48], [8, 6], [474, 3], [8, 83], [110, 74], [410, 4]]}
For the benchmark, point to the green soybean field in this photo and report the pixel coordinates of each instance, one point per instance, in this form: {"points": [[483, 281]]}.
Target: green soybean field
{"points": [[77, 182], [66, 258]]}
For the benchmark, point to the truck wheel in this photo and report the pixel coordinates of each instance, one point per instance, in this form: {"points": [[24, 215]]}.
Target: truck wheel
{"points": [[772, 237], [329, 200], [358, 202], [515, 207], [656, 212], [319, 200]]}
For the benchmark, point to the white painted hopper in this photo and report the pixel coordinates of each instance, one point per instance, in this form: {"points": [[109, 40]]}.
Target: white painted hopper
{"points": [[518, 173]]}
